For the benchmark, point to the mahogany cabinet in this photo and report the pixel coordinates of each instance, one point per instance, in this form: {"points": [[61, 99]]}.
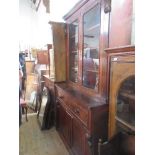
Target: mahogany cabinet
{"points": [[81, 119], [81, 100]]}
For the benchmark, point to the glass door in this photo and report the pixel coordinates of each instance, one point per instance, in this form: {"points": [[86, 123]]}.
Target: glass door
{"points": [[91, 33], [73, 51], [125, 106]]}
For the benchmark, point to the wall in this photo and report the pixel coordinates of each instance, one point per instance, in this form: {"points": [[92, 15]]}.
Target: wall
{"points": [[34, 28]]}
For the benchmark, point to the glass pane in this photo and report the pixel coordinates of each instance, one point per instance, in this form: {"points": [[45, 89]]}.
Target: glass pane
{"points": [[91, 25], [73, 49], [126, 102]]}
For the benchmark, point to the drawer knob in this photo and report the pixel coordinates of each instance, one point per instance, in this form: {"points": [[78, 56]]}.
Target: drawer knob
{"points": [[61, 97], [77, 111]]}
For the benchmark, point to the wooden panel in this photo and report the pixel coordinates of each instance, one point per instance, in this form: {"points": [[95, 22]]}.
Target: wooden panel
{"points": [[80, 112], [120, 23], [78, 139], [59, 47], [65, 123]]}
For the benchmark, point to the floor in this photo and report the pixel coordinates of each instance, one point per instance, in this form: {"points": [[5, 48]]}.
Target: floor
{"points": [[33, 141]]}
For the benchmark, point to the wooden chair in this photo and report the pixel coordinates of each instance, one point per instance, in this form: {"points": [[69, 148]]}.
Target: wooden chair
{"points": [[23, 104], [120, 144], [28, 99]]}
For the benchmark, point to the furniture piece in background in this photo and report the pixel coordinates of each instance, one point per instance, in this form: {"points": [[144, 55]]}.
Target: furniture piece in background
{"points": [[29, 65], [28, 99], [24, 106], [42, 57], [57, 73], [30, 96], [45, 110]]}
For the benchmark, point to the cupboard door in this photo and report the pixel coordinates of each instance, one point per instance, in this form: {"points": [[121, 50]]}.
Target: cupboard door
{"points": [[122, 95], [65, 124], [91, 35], [73, 51], [58, 52], [78, 138]]}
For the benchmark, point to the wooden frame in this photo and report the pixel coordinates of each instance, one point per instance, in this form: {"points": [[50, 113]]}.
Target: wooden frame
{"points": [[116, 78], [76, 14]]}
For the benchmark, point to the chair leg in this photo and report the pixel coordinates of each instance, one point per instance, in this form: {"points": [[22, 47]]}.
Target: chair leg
{"points": [[26, 113]]}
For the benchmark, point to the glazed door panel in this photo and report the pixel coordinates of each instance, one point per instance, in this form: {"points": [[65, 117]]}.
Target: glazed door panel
{"points": [[122, 73], [91, 35], [73, 51]]}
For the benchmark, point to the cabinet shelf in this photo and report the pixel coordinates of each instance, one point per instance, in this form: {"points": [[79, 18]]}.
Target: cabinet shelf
{"points": [[93, 27], [75, 68], [125, 123], [91, 70], [74, 52], [94, 49], [127, 95], [74, 36]]}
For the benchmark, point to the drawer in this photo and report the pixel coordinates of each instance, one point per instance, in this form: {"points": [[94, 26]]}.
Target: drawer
{"points": [[80, 112], [73, 105]]}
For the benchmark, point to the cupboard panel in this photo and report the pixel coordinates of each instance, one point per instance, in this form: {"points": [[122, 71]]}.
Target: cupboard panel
{"points": [[120, 23]]}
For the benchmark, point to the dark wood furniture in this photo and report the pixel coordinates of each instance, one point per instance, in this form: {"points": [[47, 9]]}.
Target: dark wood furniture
{"points": [[120, 144], [81, 119], [81, 103], [82, 110]]}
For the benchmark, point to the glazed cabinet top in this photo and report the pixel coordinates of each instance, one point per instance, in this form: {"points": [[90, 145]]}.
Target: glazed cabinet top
{"points": [[85, 44], [92, 27]]}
